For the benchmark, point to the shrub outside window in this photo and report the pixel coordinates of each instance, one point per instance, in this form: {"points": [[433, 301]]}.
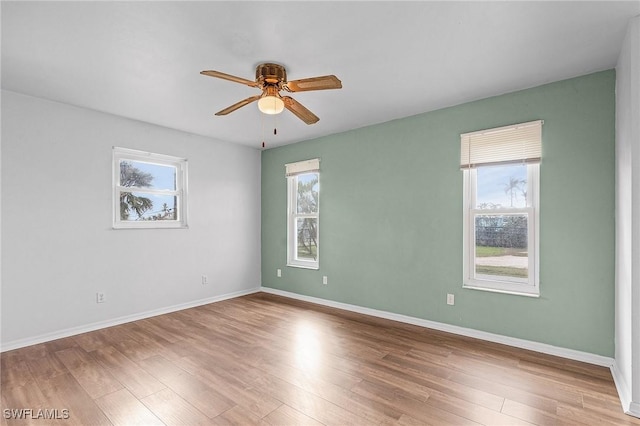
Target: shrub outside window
{"points": [[149, 190]]}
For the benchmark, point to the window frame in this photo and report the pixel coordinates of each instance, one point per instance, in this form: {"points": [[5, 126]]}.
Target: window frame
{"points": [[180, 164], [292, 217], [529, 288]]}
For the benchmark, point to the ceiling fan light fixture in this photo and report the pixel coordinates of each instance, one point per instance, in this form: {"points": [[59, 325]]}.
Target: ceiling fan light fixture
{"points": [[270, 105]]}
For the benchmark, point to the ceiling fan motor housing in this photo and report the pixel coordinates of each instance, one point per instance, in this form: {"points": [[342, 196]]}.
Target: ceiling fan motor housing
{"points": [[271, 73]]}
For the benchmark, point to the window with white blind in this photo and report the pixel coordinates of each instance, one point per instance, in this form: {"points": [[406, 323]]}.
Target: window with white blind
{"points": [[501, 204], [303, 213]]}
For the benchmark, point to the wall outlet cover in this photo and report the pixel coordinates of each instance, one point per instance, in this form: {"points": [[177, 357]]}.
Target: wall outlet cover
{"points": [[451, 299]]}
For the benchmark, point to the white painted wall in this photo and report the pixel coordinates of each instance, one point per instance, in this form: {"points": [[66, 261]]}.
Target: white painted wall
{"points": [[58, 247], [627, 328]]}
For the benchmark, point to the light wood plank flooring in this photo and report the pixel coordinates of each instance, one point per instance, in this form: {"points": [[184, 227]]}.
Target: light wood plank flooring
{"points": [[264, 359]]}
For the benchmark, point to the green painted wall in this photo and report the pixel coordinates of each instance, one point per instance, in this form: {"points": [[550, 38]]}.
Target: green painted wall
{"points": [[391, 216]]}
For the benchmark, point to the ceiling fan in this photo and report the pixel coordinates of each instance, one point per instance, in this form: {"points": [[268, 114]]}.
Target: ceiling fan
{"points": [[271, 79]]}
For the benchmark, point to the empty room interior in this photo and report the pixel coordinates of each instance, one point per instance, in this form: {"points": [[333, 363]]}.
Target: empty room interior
{"points": [[322, 212]]}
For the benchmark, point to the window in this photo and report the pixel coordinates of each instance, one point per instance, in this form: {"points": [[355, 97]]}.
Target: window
{"points": [[303, 188], [149, 190], [501, 204]]}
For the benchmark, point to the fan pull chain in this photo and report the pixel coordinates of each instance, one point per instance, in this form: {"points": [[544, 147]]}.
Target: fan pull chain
{"points": [[262, 125], [275, 124]]}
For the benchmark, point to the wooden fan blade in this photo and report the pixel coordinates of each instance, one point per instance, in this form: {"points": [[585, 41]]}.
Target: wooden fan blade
{"points": [[238, 105], [314, 83], [299, 111], [230, 77]]}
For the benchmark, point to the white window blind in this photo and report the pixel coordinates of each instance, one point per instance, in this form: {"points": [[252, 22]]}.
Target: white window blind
{"points": [[508, 144], [301, 167]]}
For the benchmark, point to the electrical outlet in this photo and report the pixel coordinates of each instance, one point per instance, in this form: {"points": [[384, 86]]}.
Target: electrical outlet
{"points": [[324, 280], [451, 299], [101, 297], [205, 281], [278, 273]]}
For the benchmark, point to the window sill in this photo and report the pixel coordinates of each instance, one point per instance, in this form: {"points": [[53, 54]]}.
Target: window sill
{"points": [[503, 291], [302, 266], [151, 226]]}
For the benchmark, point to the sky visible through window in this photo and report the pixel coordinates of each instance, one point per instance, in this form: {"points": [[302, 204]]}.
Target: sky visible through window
{"points": [[504, 185], [308, 177], [164, 177]]}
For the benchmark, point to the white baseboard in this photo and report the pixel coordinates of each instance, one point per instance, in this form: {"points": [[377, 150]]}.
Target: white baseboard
{"points": [[454, 329], [20, 343], [624, 392]]}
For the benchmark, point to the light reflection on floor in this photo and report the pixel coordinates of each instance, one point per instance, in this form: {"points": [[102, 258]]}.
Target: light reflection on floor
{"points": [[307, 349]]}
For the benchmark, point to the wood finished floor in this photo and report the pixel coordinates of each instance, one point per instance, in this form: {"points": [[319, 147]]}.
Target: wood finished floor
{"points": [[264, 359]]}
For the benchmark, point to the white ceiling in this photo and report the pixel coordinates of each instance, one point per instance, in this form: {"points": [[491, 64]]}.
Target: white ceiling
{"points": [[142, 59]]}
